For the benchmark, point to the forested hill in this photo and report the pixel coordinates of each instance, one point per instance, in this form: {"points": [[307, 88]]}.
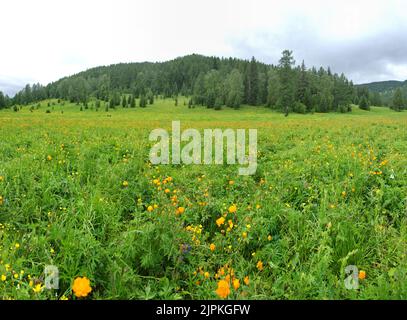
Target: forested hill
{"points": [[209, 81], [383, 86]]}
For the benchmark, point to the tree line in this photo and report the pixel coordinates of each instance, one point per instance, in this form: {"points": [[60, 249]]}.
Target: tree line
{"points": [[212, 82]]}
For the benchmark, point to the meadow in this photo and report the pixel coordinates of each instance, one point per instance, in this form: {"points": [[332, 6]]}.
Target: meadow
{"points": [[77, 191]]}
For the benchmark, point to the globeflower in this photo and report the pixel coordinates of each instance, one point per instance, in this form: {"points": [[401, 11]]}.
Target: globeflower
{"points": [[236, 284], [125, 183], [212, 247], [223, 289], [220, 221], [232, 208], [259, 265], [81, 287], [362, 274]]}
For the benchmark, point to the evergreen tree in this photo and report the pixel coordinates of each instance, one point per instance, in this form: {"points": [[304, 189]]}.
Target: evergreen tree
{"points": [[364, 103], [124, 102], [398, 101], [286, 80], [252, 83]]}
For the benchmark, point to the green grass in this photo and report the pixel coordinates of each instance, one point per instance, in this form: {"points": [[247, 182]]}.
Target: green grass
{"points": [[313, 207]]}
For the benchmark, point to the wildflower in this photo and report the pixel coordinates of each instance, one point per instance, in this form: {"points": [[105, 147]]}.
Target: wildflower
{"points": [[244, 235], [3, 277], [362, 274], [258, 206], [343, 193], [125, 183], [232, 208], [1, 200], [1, 178], [206, 275], [49, 158], [236, 284], [15, 275], [63, 298], [259, 265], [155, 206], [167, 190], [269, 238], [246, 280], [223, 289], [150, 208], [180, 210], [220, 221], [231, 182], [81, 287], [38, 288], [17, 245], [212, 247]]}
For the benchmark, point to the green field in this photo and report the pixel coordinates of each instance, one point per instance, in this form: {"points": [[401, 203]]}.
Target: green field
{"points": [[77, 191]]}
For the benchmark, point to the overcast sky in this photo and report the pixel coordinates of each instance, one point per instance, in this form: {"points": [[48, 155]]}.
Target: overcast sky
{"points": [[44, 40]]}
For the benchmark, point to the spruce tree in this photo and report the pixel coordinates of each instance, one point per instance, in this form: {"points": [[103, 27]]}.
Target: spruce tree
{"points": [[286, 80], [398, 101]]}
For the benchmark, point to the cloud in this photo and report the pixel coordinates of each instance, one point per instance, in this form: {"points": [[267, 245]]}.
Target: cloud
{"points": [[47, 39]]}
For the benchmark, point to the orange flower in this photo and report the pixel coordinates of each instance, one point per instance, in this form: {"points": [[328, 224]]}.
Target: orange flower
{"points": [[232, 208], [259, 265], [220, 221], [223, 289], [362, 274], [246, 280], [212, 247], [81, 287], [236, 284], [180, 210]]}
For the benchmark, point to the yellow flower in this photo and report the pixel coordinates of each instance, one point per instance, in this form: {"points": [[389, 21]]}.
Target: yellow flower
{"points": [[212, 247], [17, 245], [180, 210], [244, 235], [167, 190], [343, 193], [246, 280], [223, 289], [231, 182], [38, 288], [236, 284], [49, 158], [232, 208], [1, 200], [81, 287], [1, 178], [206, 274], [125, 183], [220, 221], [155, 206], [15, 275], [259, 265], [63, 298], [3, 277], [362, 274], [150, 208], [269, 238]]}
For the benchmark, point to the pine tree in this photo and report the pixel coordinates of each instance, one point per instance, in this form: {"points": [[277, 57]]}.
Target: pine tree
{"points": [[124, 102], [398, 101], [364, 103], [252, 83], [286, 80]]}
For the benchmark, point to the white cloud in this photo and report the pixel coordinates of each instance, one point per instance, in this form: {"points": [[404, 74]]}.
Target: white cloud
{"points": [[44, 40]]}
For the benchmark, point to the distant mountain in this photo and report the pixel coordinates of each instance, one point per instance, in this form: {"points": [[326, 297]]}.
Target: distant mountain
{"points": [[383, 86]]}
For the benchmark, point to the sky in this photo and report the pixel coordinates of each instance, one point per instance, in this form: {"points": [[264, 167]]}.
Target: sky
{"points": [[44, 40]]}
